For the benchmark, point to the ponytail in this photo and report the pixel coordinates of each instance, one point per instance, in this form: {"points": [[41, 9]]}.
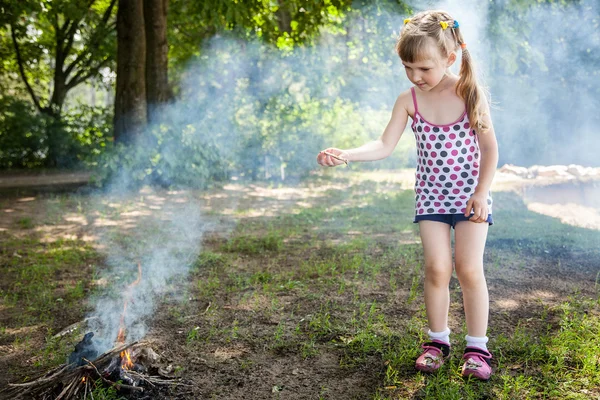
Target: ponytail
{"points": [[468, 89]]}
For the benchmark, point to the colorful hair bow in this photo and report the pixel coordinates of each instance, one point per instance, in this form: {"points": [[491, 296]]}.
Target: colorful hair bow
{"points": [[406, 21], [444, 25], [456, 25]]}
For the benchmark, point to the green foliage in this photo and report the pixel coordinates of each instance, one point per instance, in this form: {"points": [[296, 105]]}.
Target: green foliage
{"points": [[61, 44], [167, 155], [26, 136], [48, 48], [22, 134], [284, 23], [89, 131], [255, 129]]}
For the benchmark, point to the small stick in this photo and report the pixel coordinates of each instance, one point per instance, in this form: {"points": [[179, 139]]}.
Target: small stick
{"points": [[41, 380], [67, 388], [336, 157], [142, 377]]}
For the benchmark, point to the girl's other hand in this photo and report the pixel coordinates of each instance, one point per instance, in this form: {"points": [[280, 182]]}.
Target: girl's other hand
{"points": [[333, 159], [478, 204]]}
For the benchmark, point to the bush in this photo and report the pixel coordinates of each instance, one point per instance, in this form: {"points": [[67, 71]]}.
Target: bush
{"points": [[166, 155], [29, 139], [23, 135], [89, 132]]}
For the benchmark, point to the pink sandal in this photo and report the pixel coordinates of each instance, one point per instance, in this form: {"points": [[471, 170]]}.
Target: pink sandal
{"points": [[433, 356], [477, 363]]}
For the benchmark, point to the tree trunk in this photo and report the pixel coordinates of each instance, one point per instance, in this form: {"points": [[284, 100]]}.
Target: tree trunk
{"points": [[157, 51], [284, 18], [59, 94], [130, 99]]}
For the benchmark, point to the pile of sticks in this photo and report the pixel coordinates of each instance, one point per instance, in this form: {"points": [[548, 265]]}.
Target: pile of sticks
{"points": [[68, 382]]}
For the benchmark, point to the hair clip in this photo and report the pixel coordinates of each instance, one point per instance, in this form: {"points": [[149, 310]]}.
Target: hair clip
{"points": [[456, 25], [406, 21], [444, 25], [463, 46]]}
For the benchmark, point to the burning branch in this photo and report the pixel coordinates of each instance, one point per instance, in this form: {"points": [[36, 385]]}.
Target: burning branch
{"points": [[66, 382], [118, 386], [124, 363]]}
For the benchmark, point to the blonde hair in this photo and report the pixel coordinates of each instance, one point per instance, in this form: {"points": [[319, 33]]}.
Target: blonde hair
{"points": [[414, 42]]}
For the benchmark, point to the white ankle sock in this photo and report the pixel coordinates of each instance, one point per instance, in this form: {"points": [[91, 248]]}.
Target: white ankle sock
{"points": [[478, 342], [443, 336]]}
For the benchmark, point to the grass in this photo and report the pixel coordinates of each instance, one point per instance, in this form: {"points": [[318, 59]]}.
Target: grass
{"points": [[41, 279], [351, 286], [43, 287], [343, 280]]}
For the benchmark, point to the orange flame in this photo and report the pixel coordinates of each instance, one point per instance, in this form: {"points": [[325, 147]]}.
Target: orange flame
{"points": [[121, 334], [126, 362]]}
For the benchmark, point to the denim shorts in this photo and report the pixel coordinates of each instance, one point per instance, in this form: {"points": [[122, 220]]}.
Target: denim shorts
{"points": [[450, 219]]}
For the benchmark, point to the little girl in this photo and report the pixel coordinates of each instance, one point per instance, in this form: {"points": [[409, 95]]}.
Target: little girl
{"points": [[457, 156]]}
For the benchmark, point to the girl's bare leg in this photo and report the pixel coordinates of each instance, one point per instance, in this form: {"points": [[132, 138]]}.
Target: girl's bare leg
{"points": [[470, 240], [435, 237]]}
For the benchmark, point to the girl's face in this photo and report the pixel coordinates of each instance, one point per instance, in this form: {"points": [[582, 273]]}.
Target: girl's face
{"points": [[428, 72]]}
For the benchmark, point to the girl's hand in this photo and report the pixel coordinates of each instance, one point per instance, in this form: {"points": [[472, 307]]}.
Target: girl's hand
{"points": [[478, 204], [332, 157]]}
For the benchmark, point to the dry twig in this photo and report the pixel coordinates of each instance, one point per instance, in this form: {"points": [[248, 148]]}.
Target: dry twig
{"points": [[336, 157]]}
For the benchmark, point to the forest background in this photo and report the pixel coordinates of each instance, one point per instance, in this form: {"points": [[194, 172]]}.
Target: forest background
{"points": [[190, 93]]}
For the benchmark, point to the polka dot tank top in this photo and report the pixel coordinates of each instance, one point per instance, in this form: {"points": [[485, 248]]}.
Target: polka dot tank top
{"points": [[447, 165]]}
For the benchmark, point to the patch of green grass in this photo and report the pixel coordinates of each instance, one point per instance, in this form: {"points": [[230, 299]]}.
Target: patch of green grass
{"points": [[246, 244], [555, 364], [210, 260], [332, 266], [529, 364], [193, 334], [208, 286], [55, 351], [44, 278], [25, 222], [104, 392]]}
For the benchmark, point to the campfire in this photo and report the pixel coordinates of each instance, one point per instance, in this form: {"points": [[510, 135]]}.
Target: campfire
{"points": [[127, 367]]}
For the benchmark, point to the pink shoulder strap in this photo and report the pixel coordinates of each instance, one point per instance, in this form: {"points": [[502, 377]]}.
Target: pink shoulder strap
{"points": [[414, 96]]}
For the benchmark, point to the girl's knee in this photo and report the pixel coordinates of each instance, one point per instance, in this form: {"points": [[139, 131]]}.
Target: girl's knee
{"points": [[470, 275], [438, 274]]}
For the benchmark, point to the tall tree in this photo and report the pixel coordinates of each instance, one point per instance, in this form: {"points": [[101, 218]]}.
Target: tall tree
{"points": [[130, 99], [157, 51], [51, 47], [68, 40]]}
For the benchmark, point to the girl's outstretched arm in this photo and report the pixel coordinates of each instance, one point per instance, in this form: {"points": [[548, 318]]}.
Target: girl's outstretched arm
{"points": [[377, 149]]}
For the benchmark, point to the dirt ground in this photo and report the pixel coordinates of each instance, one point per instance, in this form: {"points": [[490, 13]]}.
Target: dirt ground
{"points": [[517, 291]]}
